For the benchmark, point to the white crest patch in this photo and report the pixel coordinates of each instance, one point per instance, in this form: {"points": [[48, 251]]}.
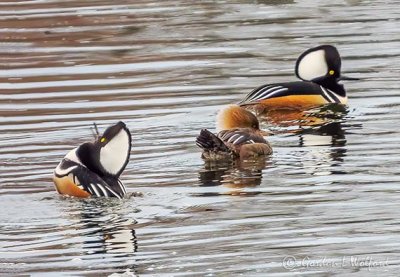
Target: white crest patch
{"points": [[64, 172], [114, 154], [73, 157], [312, 65]]}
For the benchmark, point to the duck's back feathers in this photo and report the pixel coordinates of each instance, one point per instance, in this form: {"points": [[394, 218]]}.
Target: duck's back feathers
{"points": [[242, 142], [292, 94], [245, 142], [281, 90], [240, 136]]}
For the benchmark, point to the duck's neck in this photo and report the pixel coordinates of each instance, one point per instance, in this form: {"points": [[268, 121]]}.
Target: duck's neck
{"points": [[332, 85], [89, 156]]}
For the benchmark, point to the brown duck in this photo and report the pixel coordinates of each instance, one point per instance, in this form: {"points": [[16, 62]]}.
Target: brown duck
{"points": [[239, 136]]}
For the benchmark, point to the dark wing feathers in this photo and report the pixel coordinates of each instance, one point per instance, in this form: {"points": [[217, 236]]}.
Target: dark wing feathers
{"points": [[210, 142]]}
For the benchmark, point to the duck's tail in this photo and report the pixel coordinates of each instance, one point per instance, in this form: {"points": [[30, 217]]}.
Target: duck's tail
{"points": [[211, 143]]}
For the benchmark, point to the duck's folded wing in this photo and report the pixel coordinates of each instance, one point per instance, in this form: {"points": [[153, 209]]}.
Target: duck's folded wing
{"points": [[270, 91], [85, 179], [240, 136]]}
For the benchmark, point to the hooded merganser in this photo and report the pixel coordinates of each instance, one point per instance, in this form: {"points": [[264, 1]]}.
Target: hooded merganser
{"points": [[319, 68], [94, 168], [239, 136]]}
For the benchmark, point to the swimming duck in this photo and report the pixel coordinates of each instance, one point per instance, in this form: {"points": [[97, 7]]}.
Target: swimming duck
{"points": [[239, 136], [319, 70], [93, 168]]}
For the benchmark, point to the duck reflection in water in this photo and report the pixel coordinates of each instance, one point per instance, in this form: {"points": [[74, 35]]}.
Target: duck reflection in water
{"points": [[236, 174], [320, 130], [326, 149], [304, 118], [107, 233], [331, 134], [326, 127], [116, 233]]}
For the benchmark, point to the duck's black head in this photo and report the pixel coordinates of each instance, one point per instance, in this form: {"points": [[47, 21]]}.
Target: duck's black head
{"points": [[321, 65], [109, 154]]}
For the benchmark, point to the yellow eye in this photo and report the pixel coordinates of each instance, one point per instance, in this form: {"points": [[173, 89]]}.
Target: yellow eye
{"points": [[331, 72], [103, 140]]}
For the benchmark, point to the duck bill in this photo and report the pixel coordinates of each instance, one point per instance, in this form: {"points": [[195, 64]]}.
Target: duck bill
{"points": [[345, 78]]}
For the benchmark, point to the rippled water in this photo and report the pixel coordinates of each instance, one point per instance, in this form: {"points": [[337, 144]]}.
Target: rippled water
{"points": [[328, 195]]}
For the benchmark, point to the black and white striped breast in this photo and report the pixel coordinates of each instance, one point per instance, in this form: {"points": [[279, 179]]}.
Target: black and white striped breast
{"points": [[88, 181], [332, 97]]}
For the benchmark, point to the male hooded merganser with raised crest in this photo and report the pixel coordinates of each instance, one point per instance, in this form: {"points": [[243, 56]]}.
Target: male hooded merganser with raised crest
{"points": [[94, 168], [239, 136], [319, 70]]}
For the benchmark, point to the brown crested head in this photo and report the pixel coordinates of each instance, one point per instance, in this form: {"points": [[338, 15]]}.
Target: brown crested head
{"points": [[234, 116]]}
